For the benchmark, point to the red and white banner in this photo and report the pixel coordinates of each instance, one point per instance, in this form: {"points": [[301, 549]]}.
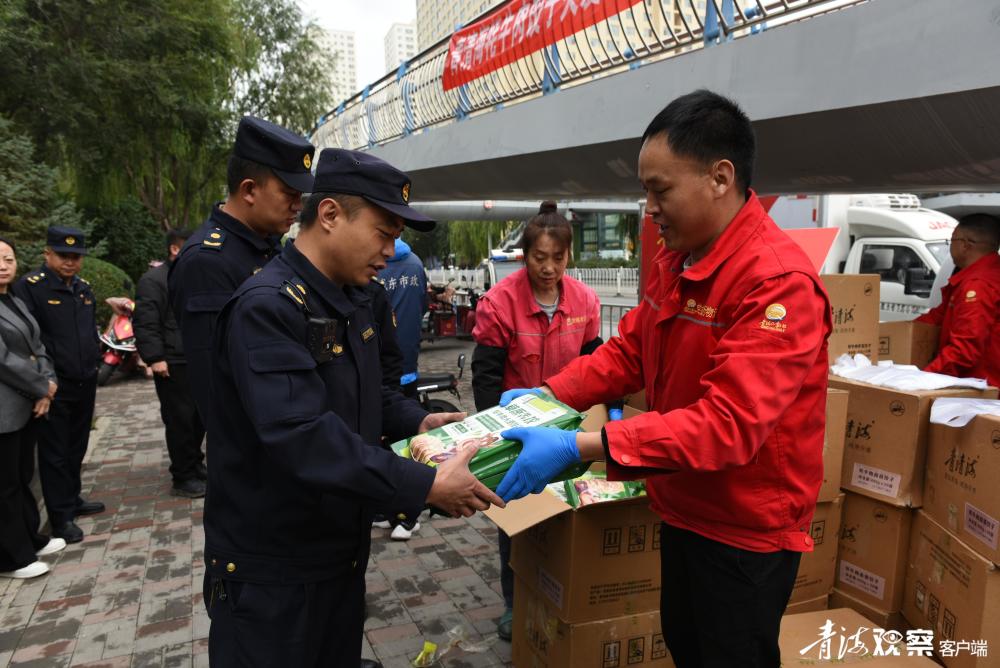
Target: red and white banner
{"points": [[519, 29]]}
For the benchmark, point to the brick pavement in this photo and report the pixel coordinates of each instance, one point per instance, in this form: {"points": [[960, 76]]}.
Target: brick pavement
{"points": [[130, 593]]}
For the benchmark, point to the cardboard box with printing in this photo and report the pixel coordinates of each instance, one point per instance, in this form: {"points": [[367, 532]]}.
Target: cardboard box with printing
{"points": [[886, 439], [854, 307], [828, 636], [833, 444], [954, 592], [881, 618], [961, 490], [908, 342], [871, 562], [542, 639], [590, 563], [817, 568]]}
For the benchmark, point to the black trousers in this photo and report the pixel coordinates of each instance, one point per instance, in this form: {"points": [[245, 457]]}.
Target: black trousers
{"points": [[19, 519], [62, 444], [303, 625], [184, 430], [721, 606], [506, 572]]}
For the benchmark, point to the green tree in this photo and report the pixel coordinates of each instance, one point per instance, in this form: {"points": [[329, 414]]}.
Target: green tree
{"points": [[283, 73], [469, 240], [29, 199], [141, 97], [129, 235]]}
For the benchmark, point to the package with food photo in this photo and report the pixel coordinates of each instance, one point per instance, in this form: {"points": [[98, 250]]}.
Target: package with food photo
{"points": [[482, 432], [594, 487]]}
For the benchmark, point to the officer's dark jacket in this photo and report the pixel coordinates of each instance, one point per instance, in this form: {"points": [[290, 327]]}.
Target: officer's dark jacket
{"points": [[65, 315], [216, 259], [156, 333], [295, 470]]}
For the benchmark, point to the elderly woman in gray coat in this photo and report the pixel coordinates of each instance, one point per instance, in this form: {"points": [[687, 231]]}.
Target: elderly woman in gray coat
{"points": [[27, 385]]}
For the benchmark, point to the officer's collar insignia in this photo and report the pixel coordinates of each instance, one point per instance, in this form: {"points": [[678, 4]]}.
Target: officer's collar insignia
{"points": [[70, 241], [294, 295], [406, 193], [256, 269], [307, 161], [367, 334]]}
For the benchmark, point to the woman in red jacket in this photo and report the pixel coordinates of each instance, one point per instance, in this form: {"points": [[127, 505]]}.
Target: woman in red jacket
{"points": [[528, 327]]}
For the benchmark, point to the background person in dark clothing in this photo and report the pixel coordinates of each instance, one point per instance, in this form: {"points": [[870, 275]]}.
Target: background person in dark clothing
{"points": [[159, 342], [63, 305]]}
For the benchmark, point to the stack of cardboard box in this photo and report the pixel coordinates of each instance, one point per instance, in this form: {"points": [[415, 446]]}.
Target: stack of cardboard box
{"points": [[953, 579], [817, 568], [897, 565]]}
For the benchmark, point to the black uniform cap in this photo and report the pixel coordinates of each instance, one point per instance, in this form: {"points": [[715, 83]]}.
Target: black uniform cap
{"points": [[355, 173], [288, 155], [66, 240]]}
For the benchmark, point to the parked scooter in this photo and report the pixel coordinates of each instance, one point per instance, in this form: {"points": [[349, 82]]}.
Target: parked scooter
{"points": [[429, 383], [118, 344]]}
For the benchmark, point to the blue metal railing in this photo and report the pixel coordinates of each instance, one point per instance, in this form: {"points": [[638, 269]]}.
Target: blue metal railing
{"points": [[412, 99]]}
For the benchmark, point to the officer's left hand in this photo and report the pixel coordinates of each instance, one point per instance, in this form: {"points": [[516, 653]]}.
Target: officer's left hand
{"points": [[547, 452], [435, 420]]}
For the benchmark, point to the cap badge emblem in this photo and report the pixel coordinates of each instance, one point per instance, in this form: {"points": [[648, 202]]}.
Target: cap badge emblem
{"points": [[70, 241], [307, 161], [406, 193]]}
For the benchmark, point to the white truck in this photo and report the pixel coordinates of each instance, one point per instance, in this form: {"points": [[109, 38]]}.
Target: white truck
{"points": [[886, 234]]}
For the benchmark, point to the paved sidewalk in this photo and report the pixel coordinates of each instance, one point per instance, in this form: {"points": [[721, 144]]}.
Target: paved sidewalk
{"points": [[130, 593]]}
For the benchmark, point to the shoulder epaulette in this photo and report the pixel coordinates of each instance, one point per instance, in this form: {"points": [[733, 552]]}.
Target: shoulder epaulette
{"points": [[214, 239], [294, 289], [83, 280], [34, 276]]}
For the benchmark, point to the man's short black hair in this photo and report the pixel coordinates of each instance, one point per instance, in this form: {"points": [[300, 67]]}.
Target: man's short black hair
{"points": [[351, 204], [984, 227], [177, 238], [239, 169], [707, 127]]}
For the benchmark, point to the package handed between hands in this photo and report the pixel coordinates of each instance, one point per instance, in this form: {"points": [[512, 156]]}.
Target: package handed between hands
{"points": [[482, 431]]}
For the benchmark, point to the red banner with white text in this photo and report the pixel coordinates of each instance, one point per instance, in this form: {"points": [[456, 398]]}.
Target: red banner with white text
{"points": [[519, 29]]}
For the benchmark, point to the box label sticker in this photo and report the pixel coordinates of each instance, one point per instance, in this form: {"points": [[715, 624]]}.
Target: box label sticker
{"points": [[637, 538], [612, 654], [551, 587], [859, 578], [981, 525], [659, 649], [612, 541], [636, 650], [876, 480]]}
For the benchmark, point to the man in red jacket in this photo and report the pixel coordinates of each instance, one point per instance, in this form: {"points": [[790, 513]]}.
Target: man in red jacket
{"points": [[969, 312], [729, 344]]}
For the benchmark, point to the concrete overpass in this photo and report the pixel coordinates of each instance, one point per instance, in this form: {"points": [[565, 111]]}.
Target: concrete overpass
{"points": [[885, 95]]}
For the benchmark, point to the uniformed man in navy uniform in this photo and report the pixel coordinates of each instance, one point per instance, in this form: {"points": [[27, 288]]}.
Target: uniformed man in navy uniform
{"points": [[295, 470], [63, 305], [267, 173]]}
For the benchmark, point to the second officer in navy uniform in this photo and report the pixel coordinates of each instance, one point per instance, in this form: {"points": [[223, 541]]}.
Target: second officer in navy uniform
{"points": [[63, 305], [267, 173], [296, 471]]}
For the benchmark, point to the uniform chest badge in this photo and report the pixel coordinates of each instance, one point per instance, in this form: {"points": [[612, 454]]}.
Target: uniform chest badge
{"points": [[55, 302], [367, 334]]}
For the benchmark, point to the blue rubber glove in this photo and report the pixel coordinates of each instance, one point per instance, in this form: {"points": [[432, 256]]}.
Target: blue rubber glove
{"points": [[546, 453], [511, 395], [614, 414]]}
